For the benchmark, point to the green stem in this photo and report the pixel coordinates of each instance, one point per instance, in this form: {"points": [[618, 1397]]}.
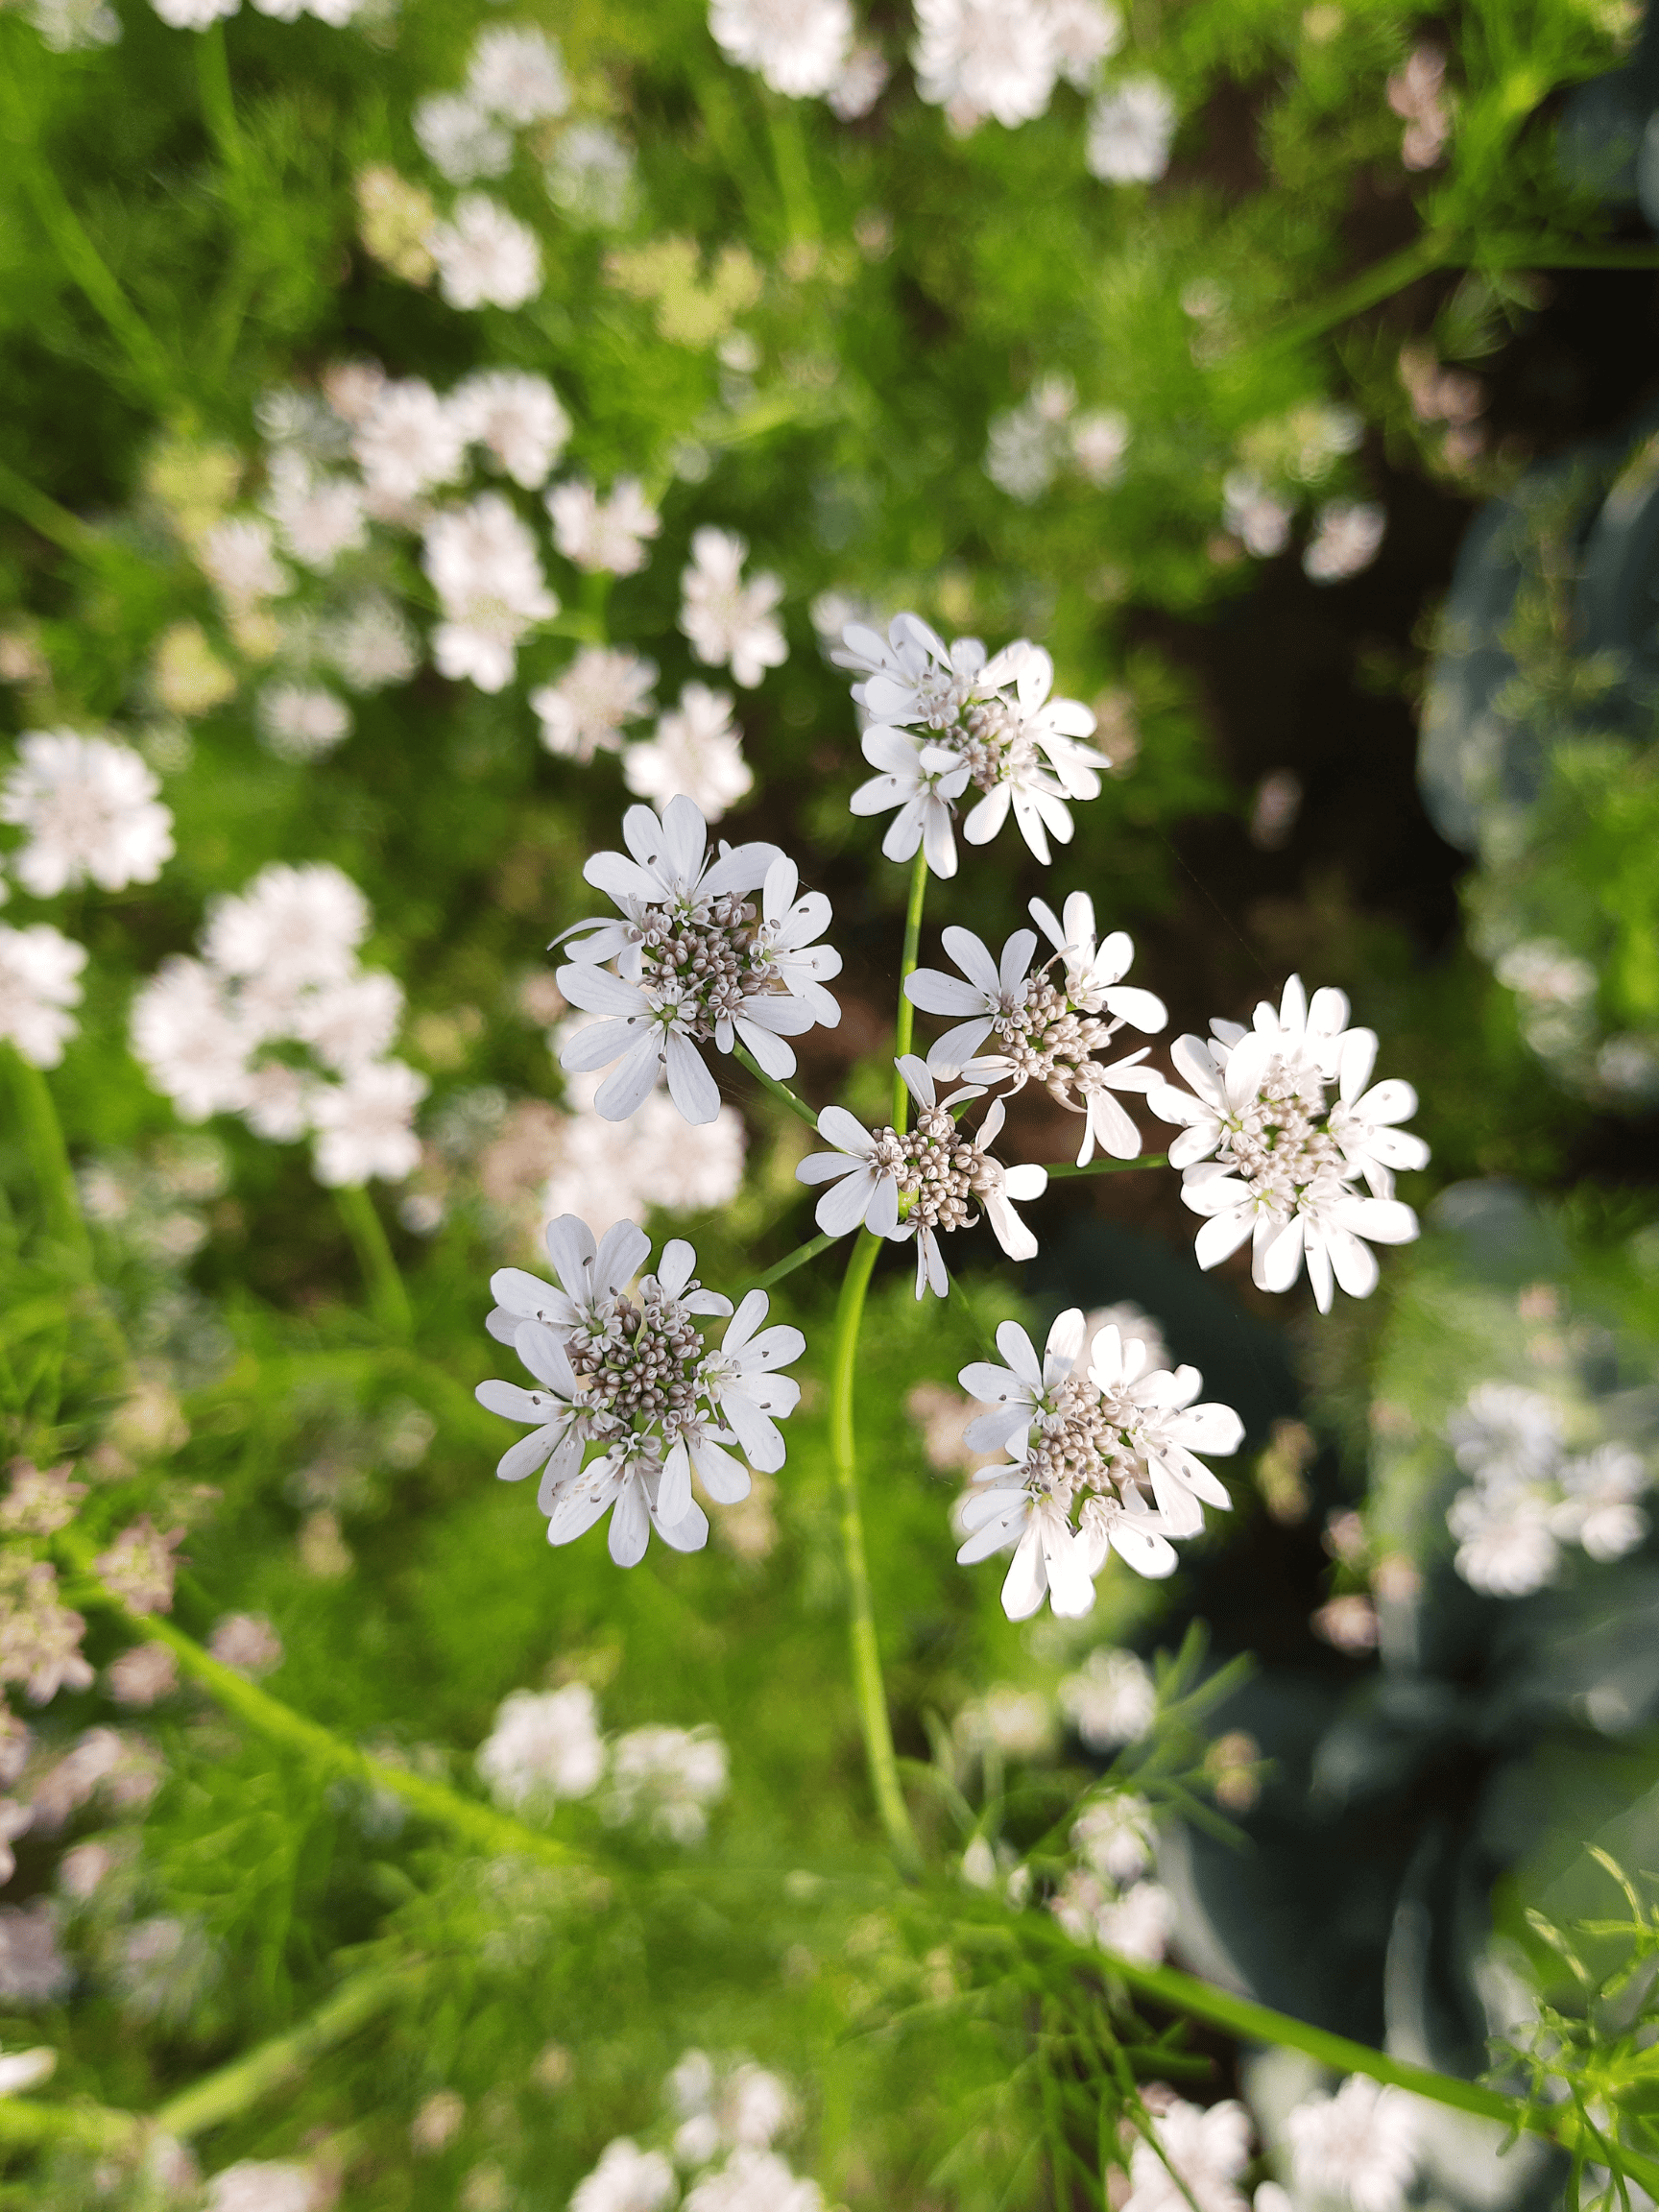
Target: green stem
{"points": [[795, 1259], [1434, 250], [790, 159], [388, 1299], [780, 1090], [903, 1026], [218, 101], [1109, 1166], [1255, 2023], [46, 517], [478, 1825], [48, 1157], [867, 1684]]}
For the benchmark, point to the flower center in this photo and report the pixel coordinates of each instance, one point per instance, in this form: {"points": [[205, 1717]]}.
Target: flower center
{"points": [[1279, 1144]]}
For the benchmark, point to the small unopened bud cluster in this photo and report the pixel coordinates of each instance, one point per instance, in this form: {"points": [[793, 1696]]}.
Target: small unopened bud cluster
{"points": [[706, 960], [940, 1170], [1283, 1144], [993, 738], [643, 1368]]}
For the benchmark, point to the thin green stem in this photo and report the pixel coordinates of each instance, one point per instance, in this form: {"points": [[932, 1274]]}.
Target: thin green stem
{"points": [[48, 1157], [1108, 1166], [46, 517], [795, 1259], [1434, 250], [780, 1090], [794, 175], [1255, 2023], [388, 1299], [218, 101], [905, 1025], [867, 1683], [478, 1825]]}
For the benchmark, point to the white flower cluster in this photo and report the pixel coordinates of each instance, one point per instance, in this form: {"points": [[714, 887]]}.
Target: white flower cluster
{"points": [[1112, 1699], [515, 78], [630, 1377], [1357, 2147], [727, 2121], [921, 1183], [200, 15], [1019, 1020], [1108, 1899], [1267, 1155], [1277, 462], [1197, 2159], [277, 1022], [1529, 1493], [730, 623], [943, 719], [1131, 127], [1001, 58], [546, 1745], [39, 984], [1115, 1445], [693, 960], [803, 48], [1031, 444]]}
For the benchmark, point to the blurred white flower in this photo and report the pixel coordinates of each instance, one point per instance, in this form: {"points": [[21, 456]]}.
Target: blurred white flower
{"points": [[726, 619], [986, 58], [1208, 2150], [486, 258], [262, 2185], [39, 971], [626, 2179], [1505, 1546], [667, 1777], [90, 811], [364, 1126], [1115, 1835], [193, 14], [75, 26], [798, 47], [608, 534], [861, 82], [21, 2070], [1346, 535], [1359, 2145], [246, 1642], [754, 2182], [1111, 1701], [1259, 518], [461, 138], [544, 1745], [515, 73], [1099, 441], [1131, 129], [590, 177], [697, 749], [584, 710], [1086, 33], [291, 926], [1416, 93], [301, 721], [1139, 1924], [517, 416], [371, 644], [239, 560], [408, 440], [482, 562], [318, 518]]}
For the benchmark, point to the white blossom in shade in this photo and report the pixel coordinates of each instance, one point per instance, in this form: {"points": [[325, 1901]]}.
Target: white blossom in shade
{"points": [[626, 2179], [543, 1747], [636, 1381], [754, 2180], [916, 781], [39, 982], [1024, 451], [351, 1022], [1347, 537], [301, 721], [186, 1037], [1024, 749], [1131, 130], [21, 2070], [1598, 1509], [1017, 1023], [515, 73], [262, 2185], [461, 138], [587, 710], [291, 926], [1506, 1434], [372, 645], [980, 57], [728, 621], [609, 534], [695, 962], [75, 26], [1139, 1924], [364, 1126], [142, 1676], [1259, 518], [246, 1642], [238, 557], [590, 177], [667, 1778], [697, 751], [1116, 1836], [1086, 33], [1099, 441], [1208, 2151], [1267, 1156], [482, 562], [318, 517], [861, 82], [1506, 1544], [89, 810], [486, 258], [1112, 1699], [1118, 1445], [922, 1181], [798, 47], [519, 418], [1359, 2145], [409, 441]]}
